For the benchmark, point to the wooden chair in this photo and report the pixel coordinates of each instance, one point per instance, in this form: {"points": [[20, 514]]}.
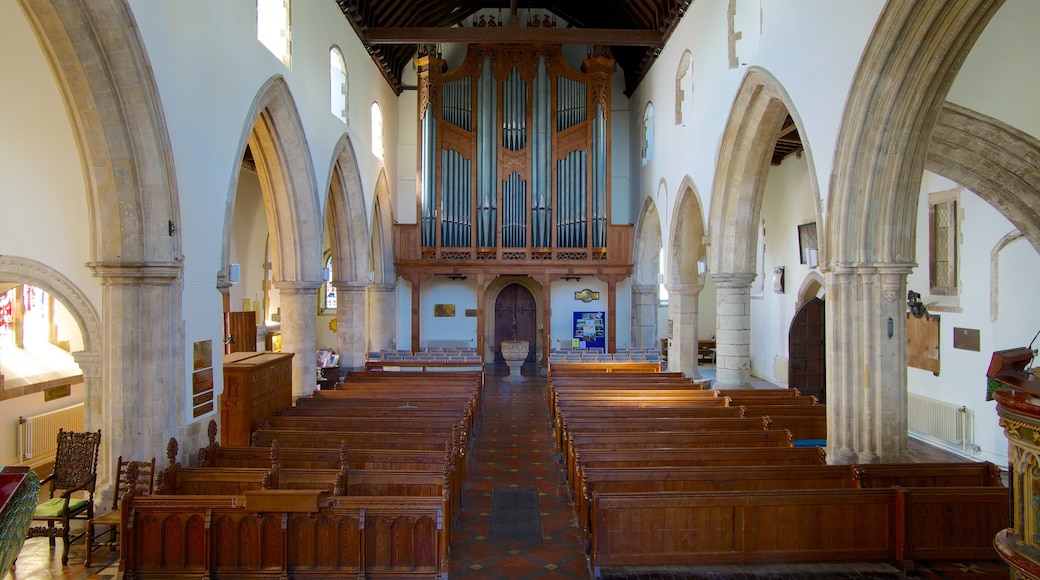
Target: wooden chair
{"points": [[141, 480], [75, 473]]}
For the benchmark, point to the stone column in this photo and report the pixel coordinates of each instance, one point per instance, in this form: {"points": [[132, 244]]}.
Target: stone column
{"points": [[645, 301], [139, 390], [868, 365], [682, 311], [382, 315], [90, 364], [299, 319], [733, 329], [351, 324], [841, 407]]}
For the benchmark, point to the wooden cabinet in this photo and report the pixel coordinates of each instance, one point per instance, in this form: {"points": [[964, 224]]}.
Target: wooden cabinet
{"points": [[256, 384]]}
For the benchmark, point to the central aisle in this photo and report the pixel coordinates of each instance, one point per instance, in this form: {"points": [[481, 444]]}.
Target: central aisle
{"points": [[514, 448]]}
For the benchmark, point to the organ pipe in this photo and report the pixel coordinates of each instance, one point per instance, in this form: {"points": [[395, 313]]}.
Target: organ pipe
{"points": [[429, 176], [487, 105], [599, 179], [485, 181], [541, 178]]}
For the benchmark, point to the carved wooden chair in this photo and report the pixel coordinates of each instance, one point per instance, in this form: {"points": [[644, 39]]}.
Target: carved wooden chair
{"points": [[75, 474], [129, 474]]}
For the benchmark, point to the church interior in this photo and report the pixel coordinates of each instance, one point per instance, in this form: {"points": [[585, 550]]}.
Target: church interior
{"points": [[262, 203]]}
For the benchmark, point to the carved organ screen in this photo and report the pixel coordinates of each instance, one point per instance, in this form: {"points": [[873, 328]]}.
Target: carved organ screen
{"points": [[514, 156]]}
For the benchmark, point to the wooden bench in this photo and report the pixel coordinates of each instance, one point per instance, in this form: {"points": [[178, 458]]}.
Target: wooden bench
{"points": [[657, 424], [815, 525], [303, 458], [578, 447], [974, 473], [262, 533], [328, 439], [708, 479], [736, 394], [804, 428]]}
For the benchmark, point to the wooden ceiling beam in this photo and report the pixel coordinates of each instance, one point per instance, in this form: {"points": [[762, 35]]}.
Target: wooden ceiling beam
{"points": [[511, 35]]}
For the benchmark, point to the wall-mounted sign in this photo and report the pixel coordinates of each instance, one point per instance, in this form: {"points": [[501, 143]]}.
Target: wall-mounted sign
{"points": [[586, 295]]}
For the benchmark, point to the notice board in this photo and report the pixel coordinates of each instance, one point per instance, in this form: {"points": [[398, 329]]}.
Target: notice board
{"points": [[590, 330]]}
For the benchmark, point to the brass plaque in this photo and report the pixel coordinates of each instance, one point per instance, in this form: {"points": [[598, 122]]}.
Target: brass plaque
{"points": [[444, 310], [966, 339], [57, 392], [203, 354], [471, 313]]}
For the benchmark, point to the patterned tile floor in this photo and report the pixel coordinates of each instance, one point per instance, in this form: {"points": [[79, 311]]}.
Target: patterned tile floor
{"points": [[513, 447]]}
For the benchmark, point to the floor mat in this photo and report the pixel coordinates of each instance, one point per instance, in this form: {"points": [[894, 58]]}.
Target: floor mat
{"points": [[515, 515]]}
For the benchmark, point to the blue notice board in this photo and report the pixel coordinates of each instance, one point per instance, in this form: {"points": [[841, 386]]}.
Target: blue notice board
{"points": [[590, 330]]}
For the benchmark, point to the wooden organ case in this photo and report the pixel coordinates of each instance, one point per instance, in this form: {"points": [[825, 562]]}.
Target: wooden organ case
{"points": [[514, 175]]}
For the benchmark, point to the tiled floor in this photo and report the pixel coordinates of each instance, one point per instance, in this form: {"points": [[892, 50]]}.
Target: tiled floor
{"points": [[513, 447]]}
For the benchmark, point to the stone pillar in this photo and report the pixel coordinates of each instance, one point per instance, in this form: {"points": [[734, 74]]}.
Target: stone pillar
{"points": [[867, 365], [90, 364], [382, 315], [351, 324], [682, 311], [299, 319], [645, 301], [733, 329], [841, 408], [138, 392]]}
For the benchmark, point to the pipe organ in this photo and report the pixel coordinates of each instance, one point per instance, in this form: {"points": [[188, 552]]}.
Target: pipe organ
{"points": [[513, 177], [514, 159]]}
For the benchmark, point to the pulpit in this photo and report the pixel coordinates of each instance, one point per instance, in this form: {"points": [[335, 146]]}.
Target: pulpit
{"points": [[1018, 405], [19, 491], [256, 384]]}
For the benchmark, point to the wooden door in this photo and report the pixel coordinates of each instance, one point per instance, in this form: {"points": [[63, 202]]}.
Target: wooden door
{"points": [[807, 368], [516, 318]]}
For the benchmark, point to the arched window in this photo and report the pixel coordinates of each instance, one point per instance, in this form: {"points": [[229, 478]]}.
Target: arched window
{"points": [[338, 83], [648, 133], [272, 28], [377, 131]]}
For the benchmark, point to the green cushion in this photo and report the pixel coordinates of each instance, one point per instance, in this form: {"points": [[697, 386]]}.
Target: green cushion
{"points": [[52, 508]]}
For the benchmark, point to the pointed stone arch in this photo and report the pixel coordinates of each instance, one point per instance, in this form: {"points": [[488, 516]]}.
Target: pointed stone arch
{"points": [[994, 160], [897, 93], [349, 235], [811, 286], [685, 282], [382, 319], [275, 137], [346, 216], [104, 76], [645, 285], [759, 110], [287, 183]]}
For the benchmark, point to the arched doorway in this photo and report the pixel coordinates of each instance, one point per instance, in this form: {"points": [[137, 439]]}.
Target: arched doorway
{"points": [[807, 354], [516, 317]]}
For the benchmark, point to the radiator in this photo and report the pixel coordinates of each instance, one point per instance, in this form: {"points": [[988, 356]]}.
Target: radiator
{"points": [[38, 435], [946, 422]]}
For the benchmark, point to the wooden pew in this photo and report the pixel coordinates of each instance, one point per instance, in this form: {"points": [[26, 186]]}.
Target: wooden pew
{"points": [[304, 533], [887, 525], [973, 473], [778, 410], [610, 414], [811, 428], [657, 424], [331, 439], [709, 479], [578, 446], [736, 394], [303, 458]]}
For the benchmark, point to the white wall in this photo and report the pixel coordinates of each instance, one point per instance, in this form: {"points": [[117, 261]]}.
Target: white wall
{"points": [[786, 205], [962, 376], [462, 294]]}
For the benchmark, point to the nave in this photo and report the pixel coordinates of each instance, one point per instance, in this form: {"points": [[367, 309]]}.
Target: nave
{"points": [[513, 450]]}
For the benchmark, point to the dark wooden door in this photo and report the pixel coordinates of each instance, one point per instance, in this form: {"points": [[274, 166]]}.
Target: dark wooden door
{"points": [[515, 318], [807, 355]]}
